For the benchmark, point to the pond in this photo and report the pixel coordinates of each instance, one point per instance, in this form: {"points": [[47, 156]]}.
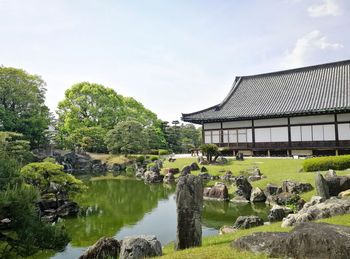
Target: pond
{"points": [[120, 208]]}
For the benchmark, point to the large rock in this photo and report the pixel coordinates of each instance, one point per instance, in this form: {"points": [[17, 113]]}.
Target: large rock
{"points": [[296, 187], [272, 189], [204, 176], [140, 247], [217, 192], [154, 168], [277, 213], [174, 170], [194, 166], [254, 178], [186, 170], [227, 230], [286, 198], [248, 222], [321, 186], [330, 208], [221, 160], [204, 169], [104, 248], [153, 177], [189, 205], [68, 209], [306, 240], [244, 188], [257, 195], [168, 178], [337, 184], [330, 173]]}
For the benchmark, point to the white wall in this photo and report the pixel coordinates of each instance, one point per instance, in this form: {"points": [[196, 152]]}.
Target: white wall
{"points": [[313, 133], [271, 122], [344, 131], [312, 119], [236, 124], [343, 117], [215, 125], [279, 134], [263, 135]]}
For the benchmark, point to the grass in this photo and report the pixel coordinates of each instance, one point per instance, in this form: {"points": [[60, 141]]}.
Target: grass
{"points": [[218, 246]]}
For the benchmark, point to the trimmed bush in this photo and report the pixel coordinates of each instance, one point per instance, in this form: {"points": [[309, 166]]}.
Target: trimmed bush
{"points": [[154, 158], [140, 159], [326, 163], [162, 152]]}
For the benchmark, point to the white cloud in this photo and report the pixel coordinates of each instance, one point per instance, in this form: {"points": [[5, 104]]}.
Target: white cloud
{"points": [[326, 8], [308, 45]]}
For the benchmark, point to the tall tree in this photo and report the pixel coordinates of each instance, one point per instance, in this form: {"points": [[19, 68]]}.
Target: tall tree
{"points": [[127, 137], [136, 111], [22, 107]]}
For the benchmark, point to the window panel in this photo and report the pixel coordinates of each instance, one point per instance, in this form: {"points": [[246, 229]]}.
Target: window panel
{"points": [[233, 136], [216, 136], [225, 136], [317, 132], [306, 134], [329, 132], [263, 135], [279, 134], [344, 131]]}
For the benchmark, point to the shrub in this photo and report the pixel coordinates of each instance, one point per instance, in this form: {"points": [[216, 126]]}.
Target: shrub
{"points": [[140, 159], [162, 152], [149, 165], [326, 163], [153, 151], [50, 160], [210, 150], [154, 158]]}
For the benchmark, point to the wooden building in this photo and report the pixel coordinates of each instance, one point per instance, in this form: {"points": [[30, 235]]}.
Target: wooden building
{"points": [[304, 111]]}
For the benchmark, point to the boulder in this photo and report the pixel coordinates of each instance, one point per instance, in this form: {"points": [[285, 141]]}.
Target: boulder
{"points": [[248, 222], [174, 170], [257, 172], [68, 209], [171, 160], [330, 173], [186, 170], [228, 176], [286, 198], [330, 208], [239, 157], [306, 240], [204, 169], [168, 178], [215, 177], [153, 177], [277, 213], [227, 230], [296, 187], [345, 194], [104, 248], [221, 160], [272, 189], [321, 186], [257, 195], [189, 205], [204, 163], [337, 184], [140, 247], [47, 204], [254, 178], [154, 168], [218, 192], [244, 188], [204, 176], [194, 166]]}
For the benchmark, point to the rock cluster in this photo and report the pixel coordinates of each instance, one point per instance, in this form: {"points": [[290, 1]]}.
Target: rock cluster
{"points": [[104, 248], [244, 188], [316, 209], [245, 222]]}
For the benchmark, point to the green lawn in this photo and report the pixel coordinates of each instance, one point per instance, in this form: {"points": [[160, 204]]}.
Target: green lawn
{"points": [[275, 170]]}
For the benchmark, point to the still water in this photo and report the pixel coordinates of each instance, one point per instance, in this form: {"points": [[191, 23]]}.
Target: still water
{"points": [[120, 208]]}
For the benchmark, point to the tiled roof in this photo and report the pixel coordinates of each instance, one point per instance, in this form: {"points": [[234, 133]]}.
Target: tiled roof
{"points": [[315, 89]]}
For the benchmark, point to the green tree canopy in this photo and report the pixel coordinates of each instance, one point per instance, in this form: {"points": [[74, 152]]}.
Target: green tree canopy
{"points": [[127, 137], [90, 105], [22, 107]]}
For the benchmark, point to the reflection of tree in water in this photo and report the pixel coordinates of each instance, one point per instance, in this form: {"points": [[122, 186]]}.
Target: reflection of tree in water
{"points": [[219, 213], [113, 204]]}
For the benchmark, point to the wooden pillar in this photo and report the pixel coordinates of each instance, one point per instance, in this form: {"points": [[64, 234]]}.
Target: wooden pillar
{"points": [[268, 153], [221, 134], [253, 133], [337, 152], [203, 133], [336, 130], [289, 134]]}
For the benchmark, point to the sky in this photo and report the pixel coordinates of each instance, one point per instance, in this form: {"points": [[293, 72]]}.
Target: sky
{"points": [[174, 57]]}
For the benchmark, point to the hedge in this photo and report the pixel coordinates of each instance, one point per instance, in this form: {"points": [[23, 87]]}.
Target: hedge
{"points": [[326, 163]]}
